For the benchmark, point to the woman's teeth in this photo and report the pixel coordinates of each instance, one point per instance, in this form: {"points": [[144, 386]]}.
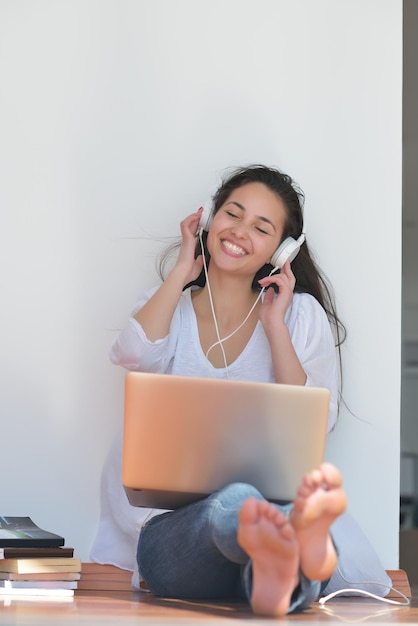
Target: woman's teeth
{"points": [[233, 248]]}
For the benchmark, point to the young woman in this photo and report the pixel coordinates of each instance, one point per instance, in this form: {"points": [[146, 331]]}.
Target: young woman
{"points": [[225, 311]]}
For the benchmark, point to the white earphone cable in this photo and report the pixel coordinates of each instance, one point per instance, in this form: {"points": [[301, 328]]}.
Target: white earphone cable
{"points": [[221, 341], [212, 305], [353, 590]]}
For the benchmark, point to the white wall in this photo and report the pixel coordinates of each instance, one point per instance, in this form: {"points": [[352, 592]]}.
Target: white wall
{"points": [[117, 118]]}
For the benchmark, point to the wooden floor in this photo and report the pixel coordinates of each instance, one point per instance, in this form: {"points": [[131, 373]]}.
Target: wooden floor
{"points": [[97, 607]]}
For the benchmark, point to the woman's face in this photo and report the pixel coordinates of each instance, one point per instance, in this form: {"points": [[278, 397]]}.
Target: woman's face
{"points": [[247, 229]]}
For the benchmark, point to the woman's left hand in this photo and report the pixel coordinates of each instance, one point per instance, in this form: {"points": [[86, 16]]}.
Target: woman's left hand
{"points": [[274, 308]]}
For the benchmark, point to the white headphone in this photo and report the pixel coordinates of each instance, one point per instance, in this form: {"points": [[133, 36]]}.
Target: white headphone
{"points": [[287, 250]]}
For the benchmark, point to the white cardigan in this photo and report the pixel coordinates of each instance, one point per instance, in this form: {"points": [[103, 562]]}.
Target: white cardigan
{"points": [[180, 353]]}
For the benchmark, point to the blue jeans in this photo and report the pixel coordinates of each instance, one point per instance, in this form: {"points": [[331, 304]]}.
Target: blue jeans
{"points": [[193, 552]]}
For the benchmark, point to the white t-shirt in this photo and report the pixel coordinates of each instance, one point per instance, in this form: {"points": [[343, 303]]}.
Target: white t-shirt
{"points": [[180, 353]]}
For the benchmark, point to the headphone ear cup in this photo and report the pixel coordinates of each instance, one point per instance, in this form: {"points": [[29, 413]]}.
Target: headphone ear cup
{"points": [[206, 217], [287, 251]]}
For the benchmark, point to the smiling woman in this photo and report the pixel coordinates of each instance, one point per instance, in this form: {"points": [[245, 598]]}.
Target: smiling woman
{"points": [[233, 307]]}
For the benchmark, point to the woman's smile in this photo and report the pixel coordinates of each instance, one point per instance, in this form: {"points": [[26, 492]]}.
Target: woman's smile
{"points": [[233, 248]]}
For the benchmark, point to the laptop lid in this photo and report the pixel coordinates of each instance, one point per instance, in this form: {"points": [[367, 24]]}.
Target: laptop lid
{"points": [[186, 437]]}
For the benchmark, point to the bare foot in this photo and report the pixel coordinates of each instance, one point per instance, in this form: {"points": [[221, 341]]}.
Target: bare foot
{"points": [[320, 500], [269, 539]]}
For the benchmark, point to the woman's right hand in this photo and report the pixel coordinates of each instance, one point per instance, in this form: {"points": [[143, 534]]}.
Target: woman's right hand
{"points": [[157, 313], [186, 262]]}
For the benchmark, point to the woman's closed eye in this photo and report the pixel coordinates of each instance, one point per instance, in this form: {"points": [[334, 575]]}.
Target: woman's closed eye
{"points": [[261, 230]]}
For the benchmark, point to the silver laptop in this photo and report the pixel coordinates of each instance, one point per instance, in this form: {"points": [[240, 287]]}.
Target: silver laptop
{"points": [[185, 437]]}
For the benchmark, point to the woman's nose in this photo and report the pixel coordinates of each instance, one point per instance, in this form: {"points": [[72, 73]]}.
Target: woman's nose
{"points": [[240, 230]]}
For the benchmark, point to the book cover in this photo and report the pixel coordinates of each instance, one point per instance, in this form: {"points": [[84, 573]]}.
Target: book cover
{"points": [[22, 531], [9, 599], [42, 576], [34, 553], [29, 566], [38, 584], [97, 568], [106, 585], [35, 592]]}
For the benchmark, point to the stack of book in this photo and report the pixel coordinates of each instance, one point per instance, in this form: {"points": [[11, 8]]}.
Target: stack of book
{"points": [[104, 578], [34, 562]]}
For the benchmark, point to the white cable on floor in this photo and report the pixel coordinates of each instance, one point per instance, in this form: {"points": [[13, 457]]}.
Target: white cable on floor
{"points": [[352, 590]]}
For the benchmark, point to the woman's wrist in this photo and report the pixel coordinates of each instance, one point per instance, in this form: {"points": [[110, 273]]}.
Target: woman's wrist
{"points": [[179, 276]]}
